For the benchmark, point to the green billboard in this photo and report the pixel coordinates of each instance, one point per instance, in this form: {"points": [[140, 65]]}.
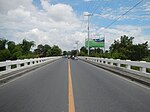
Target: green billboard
{"points": [[100, 42]]}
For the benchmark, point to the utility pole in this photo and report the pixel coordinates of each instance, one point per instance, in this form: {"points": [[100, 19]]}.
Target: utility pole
{"points": [[77, 43], [88, 15]]}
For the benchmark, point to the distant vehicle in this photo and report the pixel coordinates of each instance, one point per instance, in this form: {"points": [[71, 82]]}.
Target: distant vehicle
{"points": [[69, 56], [76, 58], [72, 57], [65, 56]]}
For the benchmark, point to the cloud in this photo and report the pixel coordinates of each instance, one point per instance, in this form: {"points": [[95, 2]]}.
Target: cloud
{"points": [[54, 24], [142, 12], [116, 32], [19, 14], [146, 6], [6, 5]]}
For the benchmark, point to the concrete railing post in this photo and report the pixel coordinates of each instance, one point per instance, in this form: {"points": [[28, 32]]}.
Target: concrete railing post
{"points": [[118, 64], [107, 62], [127, 65], [18, 64], [25, 63], [143, 69], [8, 67], [111, 63]]}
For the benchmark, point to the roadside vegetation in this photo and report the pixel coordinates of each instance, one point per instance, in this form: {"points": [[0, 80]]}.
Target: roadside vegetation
{"points": [[9, 50], [122, 49]]}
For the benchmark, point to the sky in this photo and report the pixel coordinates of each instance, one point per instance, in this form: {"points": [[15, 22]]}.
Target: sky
{"points": [[62, 22]]}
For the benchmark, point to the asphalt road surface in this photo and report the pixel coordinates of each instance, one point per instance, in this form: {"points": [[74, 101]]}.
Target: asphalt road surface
{"points": [[94, 90]]}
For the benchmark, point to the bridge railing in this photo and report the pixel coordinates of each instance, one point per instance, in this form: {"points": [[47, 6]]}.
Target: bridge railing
{"points": [[9, 66], [141, 66]]}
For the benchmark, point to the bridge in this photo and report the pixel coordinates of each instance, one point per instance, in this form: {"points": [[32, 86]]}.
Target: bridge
{"points": [[56, 84]]}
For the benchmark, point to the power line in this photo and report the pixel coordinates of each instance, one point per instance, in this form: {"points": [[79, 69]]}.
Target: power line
{"points": [[124, 13], [87, 8], [88, 5], [105, 4], [96, 8]]}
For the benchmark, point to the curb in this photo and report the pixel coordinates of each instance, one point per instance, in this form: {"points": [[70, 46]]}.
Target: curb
{"points": [[131, 76], [14, 74]]}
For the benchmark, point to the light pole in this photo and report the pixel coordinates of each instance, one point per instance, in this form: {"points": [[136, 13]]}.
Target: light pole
{"points": [[77, 43], [88, 15]]}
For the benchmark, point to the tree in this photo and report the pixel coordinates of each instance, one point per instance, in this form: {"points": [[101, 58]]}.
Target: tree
{"points": [[17, 52], [121, 48], [74, 52], [39, 50], [56, 51], [46, 50], [4, 55], [125, 49], [83, 51], [65, 53], [43, 51], [26, 46], [139, 51], [3, 43], [11, 46]]}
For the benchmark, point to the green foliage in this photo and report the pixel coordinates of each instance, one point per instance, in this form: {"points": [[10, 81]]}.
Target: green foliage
{"points": [[74, 52], [3, 43], [83, 51], [138, 52], [96, 52], [122, 49], [56, 51], [4, 55], [65, 53], [46, 50], [23, 50], [106, 55], [125, 49], [16, 55], [26, 46], [11, 46], [16, 52], [146, 58], [43, 50]]}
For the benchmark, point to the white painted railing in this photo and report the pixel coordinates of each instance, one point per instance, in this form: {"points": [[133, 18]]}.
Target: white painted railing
{"points": [[10, 66], [142, 65]]}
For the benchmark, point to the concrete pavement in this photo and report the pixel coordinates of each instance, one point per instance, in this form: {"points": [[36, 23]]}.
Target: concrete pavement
{"points": [[94, 90]]}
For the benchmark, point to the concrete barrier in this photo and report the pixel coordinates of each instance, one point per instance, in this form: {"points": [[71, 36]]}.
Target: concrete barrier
{"points": [[9, 66], [115, 65]]}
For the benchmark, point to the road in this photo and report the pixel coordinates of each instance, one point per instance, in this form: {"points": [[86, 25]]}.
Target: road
{"points": [[93, 90]]}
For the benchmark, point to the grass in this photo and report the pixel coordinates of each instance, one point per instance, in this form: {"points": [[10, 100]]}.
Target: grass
{"points": [[135, 68], [123, 65], [115, 64], [13, 66], [148, 70]]}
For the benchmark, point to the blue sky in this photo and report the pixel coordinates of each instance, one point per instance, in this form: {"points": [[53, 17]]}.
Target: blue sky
{"points": [[62, 22], [113, 7]]}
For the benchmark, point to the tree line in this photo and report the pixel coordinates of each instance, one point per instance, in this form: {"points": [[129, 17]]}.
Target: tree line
{"points": [[9, 50], [122, 49]]}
